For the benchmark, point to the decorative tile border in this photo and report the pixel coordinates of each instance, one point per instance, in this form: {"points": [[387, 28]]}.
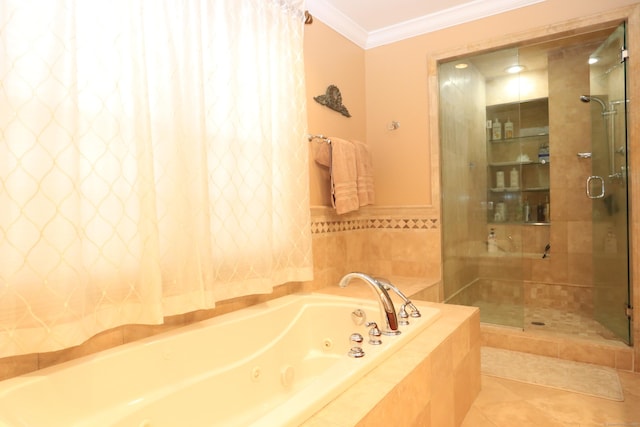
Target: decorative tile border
{"points": [[327, 222], [329, 226], [414, 224]]}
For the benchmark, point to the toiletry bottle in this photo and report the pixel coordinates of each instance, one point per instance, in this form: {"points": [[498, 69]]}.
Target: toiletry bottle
{"points": [[547, 209], [499, 179], [492, 242], [526, 211], [540, 212], [497, 130], [514, 178], [543, 154], [508, 129]]}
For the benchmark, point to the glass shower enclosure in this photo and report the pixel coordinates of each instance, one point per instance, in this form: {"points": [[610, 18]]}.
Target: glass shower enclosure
{"points": [[534, 185], [608, 184]]}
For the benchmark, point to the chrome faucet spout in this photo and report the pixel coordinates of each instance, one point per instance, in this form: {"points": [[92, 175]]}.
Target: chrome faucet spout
{"points": [[387, 310], [407, 302], [391, 287]]}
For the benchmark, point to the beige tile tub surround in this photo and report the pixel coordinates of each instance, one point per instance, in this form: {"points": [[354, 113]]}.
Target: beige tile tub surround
{"points": [[384, 241], [431, 382]]}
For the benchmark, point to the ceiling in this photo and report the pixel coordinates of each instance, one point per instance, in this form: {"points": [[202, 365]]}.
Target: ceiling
{"points": [[371, 23]]}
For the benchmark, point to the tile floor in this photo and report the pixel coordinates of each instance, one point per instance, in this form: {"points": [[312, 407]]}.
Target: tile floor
{"points": [[547, 320], [506, 403]]}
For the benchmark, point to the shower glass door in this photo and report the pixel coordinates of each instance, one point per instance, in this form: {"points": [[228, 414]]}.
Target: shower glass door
{"points": [[608, 185], [476, 96]]}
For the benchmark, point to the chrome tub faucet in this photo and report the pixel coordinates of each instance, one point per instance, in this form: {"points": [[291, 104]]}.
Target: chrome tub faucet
{"points": [[407, 302], [387, 310]]}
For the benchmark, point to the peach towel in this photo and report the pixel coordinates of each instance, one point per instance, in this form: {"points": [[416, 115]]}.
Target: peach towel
{"points": [[351, 171], [323, 154], [344, 176], [364, 166]]}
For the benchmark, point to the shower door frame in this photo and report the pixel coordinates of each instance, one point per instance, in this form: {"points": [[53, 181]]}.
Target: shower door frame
{"points": [[609, 172]]}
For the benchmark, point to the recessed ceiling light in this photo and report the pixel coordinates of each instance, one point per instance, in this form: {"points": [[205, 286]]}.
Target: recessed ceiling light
{"points": [[461, 66], [593, 60], [514, 69]]}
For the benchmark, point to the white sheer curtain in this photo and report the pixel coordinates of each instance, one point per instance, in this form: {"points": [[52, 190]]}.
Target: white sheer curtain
{"points": [[152, 161]]}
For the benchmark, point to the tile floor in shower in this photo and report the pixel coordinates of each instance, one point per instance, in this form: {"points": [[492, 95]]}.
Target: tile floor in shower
{"points": [[543, 320]]}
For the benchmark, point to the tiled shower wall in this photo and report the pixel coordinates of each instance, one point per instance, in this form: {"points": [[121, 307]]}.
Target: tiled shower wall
{"points": [[570, 133]]}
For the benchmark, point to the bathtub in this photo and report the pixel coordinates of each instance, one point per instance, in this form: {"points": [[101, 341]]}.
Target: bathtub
{"points": [[273, 364]]}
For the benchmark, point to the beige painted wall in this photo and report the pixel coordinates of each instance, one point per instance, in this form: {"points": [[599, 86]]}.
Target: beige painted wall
{"points": [[331, 59]]}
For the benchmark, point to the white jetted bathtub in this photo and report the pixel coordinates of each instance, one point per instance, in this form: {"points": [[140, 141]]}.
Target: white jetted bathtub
{"points": [[273, 364]]}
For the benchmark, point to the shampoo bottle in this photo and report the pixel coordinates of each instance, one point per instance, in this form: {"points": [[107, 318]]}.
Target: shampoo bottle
{"points": [[508, 129], [497, 130]]}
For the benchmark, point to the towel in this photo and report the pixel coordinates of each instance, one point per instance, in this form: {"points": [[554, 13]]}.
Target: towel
{"points": [[364, 168], [351, 172], [340, 157], [344, 176], [323, 154]]}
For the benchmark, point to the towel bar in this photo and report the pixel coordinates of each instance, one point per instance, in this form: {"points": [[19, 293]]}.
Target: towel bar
{"points": [[320, 137]]}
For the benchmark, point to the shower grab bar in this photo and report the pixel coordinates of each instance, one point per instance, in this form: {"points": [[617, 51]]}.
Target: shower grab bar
{"points": [[595, 178]]}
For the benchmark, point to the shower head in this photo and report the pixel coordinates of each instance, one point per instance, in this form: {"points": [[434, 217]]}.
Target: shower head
{"points": [[587, 98]]}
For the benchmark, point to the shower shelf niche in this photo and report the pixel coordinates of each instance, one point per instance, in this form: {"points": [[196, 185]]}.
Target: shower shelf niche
{"points": [[518, 155]]}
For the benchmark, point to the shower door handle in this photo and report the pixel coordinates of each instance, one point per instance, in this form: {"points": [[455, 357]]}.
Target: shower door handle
{"points": [[595, 178]]}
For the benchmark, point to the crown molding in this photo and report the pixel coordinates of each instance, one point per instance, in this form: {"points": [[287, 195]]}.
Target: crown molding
{"points": [[338, 21], [466, 12]]}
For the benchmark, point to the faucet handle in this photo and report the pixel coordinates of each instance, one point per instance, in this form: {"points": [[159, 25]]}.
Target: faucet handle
{"points": [[414, 310], [403, 315], [356, 340], [374, 333]]}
